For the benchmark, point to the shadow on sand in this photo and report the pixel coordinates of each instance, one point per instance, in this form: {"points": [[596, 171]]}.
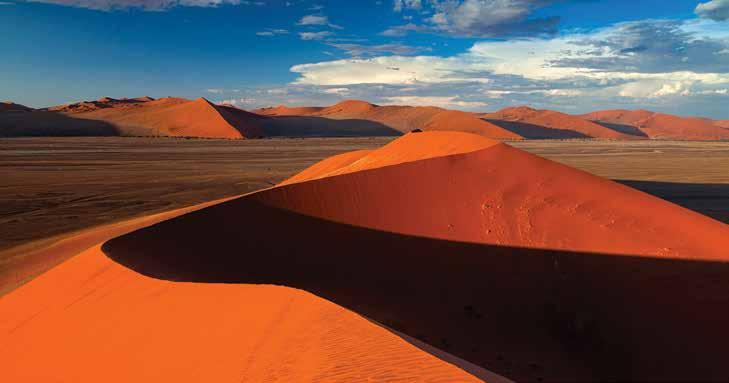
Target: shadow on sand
{"points": [[536, 132], [300, 126], [620, 128], [708, 199], [52, 124], [528, 314]]}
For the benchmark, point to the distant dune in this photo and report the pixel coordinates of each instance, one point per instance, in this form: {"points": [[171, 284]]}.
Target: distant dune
{"points": [[662, 126], [142, 116], [540, 124], [170, 116], [180, 117], [399, 118]]}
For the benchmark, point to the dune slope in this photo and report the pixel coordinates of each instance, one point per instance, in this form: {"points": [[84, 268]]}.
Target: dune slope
{"points": [[663, 126]]}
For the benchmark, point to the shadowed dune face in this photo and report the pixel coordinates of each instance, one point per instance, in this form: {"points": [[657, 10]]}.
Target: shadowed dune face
{"points": [[534, 123], [525, 267], [51, 124], [305, 126], [531, 131]]}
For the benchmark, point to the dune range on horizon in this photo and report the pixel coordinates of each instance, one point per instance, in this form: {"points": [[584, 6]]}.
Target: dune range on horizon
{"points": [[498, 260], [200, 118]]}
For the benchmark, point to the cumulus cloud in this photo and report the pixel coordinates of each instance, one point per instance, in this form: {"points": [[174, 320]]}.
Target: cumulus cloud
{"points": [[652, 46], [148, 5], [615, 66], [717, 10]]}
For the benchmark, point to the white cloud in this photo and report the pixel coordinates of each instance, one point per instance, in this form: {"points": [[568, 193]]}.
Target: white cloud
{"points": [[337, 91], [315, 20], [448, 102], [715, 9], [314, 35], [616, 66]]}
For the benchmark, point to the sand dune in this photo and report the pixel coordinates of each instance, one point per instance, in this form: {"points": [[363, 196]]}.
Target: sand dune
{"points": [[141, 116], [399, 118], [519, 265], [84, 321], [663, 126], [540, 124], [178, 117], [170, 116]]}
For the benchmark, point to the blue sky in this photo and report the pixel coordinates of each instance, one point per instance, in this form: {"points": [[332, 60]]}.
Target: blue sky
{"points": [[573, 56]]}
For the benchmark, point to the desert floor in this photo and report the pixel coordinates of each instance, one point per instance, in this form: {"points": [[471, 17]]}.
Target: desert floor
{"points": [[53, 187]]}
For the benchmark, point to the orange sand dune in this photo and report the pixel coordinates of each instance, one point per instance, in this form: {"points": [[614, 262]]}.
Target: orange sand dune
{"points": [[517, 264], [91, 320], [663, 126], [722, 123], [534, 123], [142, 116], [180, 117], [400, 118]]}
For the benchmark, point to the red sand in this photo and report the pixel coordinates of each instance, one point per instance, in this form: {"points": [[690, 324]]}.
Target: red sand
{"points": [[180, 117], [518, 264], [551, 124], [663, 126], [401, 118]]}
